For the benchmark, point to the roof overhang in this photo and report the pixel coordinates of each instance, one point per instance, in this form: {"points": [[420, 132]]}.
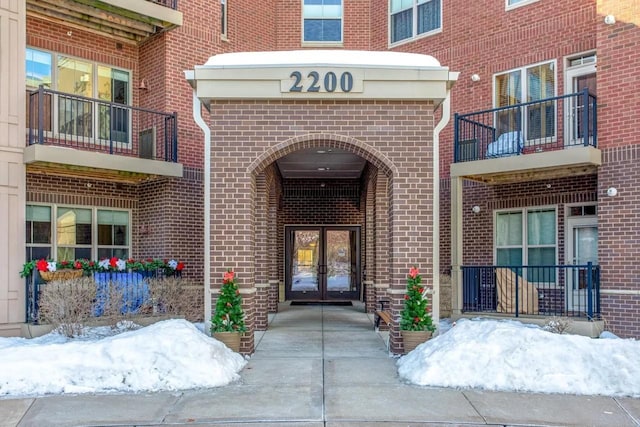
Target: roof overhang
{"points": [[321, 75]]}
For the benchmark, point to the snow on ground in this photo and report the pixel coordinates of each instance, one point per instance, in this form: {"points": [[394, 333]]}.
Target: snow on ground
{"points": [[507, 355], [168, 355], [175, 354]]}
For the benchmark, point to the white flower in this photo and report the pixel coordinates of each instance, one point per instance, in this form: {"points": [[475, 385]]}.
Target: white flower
{"points": [[104, 264], [121, 264], [51, 266], [173, 264]]}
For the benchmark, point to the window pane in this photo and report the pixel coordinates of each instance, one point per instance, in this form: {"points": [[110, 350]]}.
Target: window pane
{"points": [[75, 76], [70, 254], [542, 256], [105, 234], [38, 253], [509, 257], [38, 224], [120, 235], [402, 25], [509, 229], [38, 66], [508, 89], [326, 30], [398, 5], [73, 226], [428, 16], [41, 232], [541, 227]]}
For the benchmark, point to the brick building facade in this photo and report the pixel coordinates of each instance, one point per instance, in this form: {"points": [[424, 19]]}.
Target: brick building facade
{"points": [[508, 53]]}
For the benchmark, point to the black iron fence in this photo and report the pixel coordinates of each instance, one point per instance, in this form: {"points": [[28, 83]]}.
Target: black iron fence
{"points": [[67, 120], [173, 4], [553, 290], [545, 125]]}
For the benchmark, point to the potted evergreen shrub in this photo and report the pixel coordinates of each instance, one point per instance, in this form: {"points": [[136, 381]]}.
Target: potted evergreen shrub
{"points": [[416, 322], [227, 322]]}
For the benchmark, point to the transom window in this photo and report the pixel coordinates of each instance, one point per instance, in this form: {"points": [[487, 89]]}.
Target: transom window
{"points": [[526, 237], [412, 18], [322, 21], [527, 84], [76, 233], [70, 114], [510, 4]]}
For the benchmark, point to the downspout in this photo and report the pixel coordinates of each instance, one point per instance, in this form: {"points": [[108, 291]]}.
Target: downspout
{"points": [[197, 117], [444, 120]]}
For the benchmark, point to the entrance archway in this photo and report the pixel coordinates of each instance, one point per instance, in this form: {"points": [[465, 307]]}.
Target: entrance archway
{"points": [[262, 107]]}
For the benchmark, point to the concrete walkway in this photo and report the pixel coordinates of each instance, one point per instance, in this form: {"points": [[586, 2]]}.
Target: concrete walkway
{"points": [[321, 366]]}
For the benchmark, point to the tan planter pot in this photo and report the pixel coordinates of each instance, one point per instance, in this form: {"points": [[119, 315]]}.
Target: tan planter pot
{"points": [[230, 339], [412, 339], [49, 276]]}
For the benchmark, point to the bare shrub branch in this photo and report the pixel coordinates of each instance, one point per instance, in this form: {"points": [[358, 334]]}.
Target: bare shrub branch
{"points": [[68, 304]]}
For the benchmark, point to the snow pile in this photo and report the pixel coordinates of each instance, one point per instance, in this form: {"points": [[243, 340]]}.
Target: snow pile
{"points": [[510, 356], [168, 355]]}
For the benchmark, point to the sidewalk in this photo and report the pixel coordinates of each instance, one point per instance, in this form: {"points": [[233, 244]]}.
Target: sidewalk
{"points": [[321, 366]]}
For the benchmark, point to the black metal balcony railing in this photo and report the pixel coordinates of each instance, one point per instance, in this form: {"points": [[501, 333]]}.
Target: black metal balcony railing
{"points": [[67, 120], [548, 124], [554, 290], [173, 4]]}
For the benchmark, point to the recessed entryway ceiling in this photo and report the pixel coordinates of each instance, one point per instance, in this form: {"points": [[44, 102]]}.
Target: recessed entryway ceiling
{"points": [[319, 163]]}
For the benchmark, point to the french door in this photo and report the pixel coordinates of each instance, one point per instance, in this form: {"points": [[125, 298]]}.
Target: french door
{"points": [[322, 262]]}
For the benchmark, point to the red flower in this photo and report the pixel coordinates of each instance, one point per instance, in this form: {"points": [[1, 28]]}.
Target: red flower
{"points": [[64, 263], [420, 290], [180, 266], [113, 262], [42, 265], [413, 272], [228, 276], [77, 265], [92, 263], [130, 261], [416, 319], [406, 297]]}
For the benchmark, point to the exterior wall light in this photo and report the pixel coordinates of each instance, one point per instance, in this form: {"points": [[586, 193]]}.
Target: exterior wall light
{"points": [[609, 19], [475, 77], [612, 192], [475, 209]]}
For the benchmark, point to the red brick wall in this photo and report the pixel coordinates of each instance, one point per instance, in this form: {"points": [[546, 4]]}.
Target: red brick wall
{"points": [[326, 123], [481, 37]]}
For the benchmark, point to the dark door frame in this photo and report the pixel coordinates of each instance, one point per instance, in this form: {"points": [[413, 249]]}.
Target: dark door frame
{"points": [[323, 293]]}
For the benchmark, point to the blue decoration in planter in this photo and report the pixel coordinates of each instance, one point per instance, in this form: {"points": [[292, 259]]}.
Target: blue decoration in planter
{"points": [[134, 288]]}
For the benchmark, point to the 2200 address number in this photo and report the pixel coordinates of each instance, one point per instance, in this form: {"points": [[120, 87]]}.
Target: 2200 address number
{"points": [[330, 82]]}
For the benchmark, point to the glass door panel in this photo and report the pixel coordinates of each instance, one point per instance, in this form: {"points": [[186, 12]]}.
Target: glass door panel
{"points": [[322, 263]]}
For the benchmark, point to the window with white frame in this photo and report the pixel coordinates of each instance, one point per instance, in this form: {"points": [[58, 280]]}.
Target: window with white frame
{"points": [[322, 21], [67, 233], [413, 18], [223, 17], [510, 4], [527, 237], [70, 114], [533, 83]]}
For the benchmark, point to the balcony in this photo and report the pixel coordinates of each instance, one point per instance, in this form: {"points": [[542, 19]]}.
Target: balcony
{"points": [[545, 139], [571, 291], [84, 137], [127, 20]]}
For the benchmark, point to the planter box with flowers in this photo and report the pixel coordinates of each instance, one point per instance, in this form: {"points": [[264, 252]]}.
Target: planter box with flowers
{"points": [[416, 322], [128, 275]]}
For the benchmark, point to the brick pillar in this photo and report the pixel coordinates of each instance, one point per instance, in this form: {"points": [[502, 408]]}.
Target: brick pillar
{"points": [[261, 253], [273, 236], [232, 235], [380, 270], [370, 238], [411, 233]]}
